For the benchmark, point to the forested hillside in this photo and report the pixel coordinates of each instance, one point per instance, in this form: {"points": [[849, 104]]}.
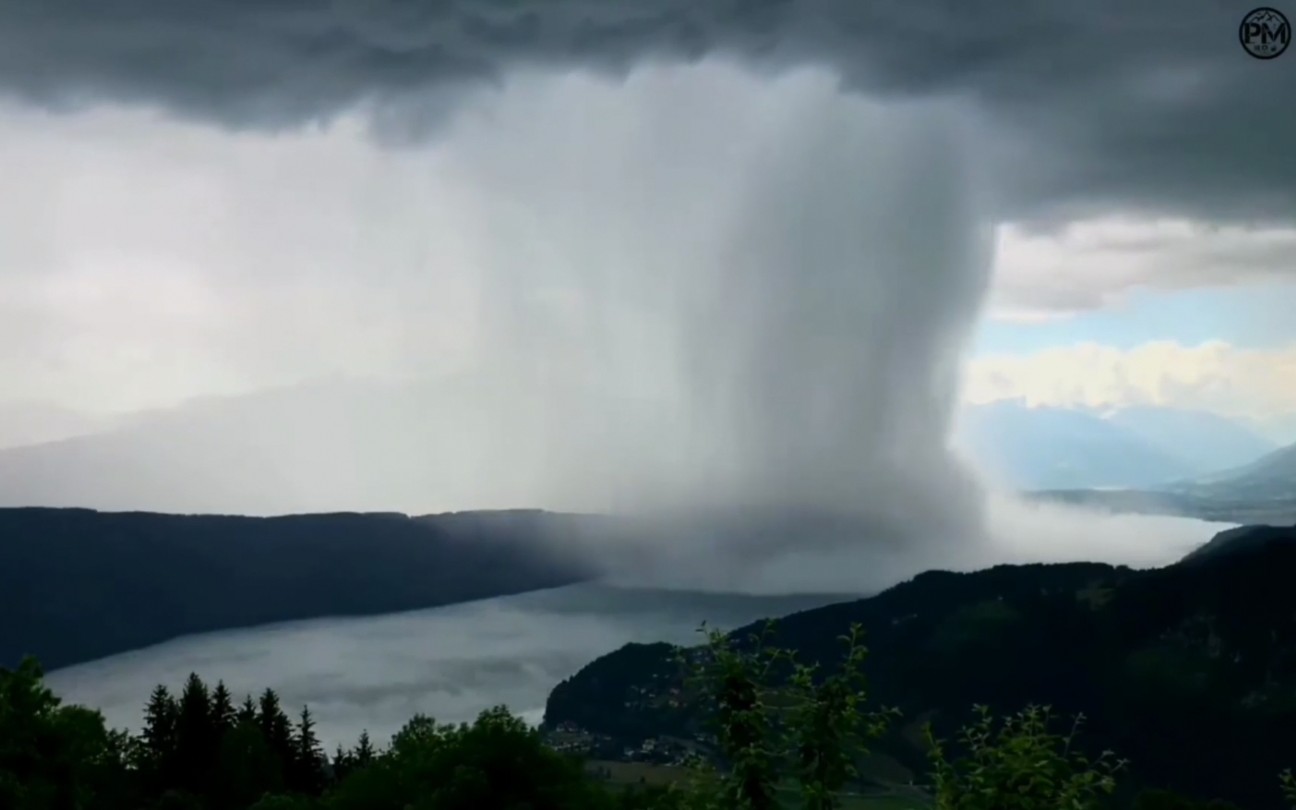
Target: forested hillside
{"points": [[77, 584], [1189, 670]]}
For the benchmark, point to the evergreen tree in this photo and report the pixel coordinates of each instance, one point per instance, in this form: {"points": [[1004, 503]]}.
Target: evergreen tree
{"points": [[248, 767], [786, 737], [341, 762], [275, 727], [158, 739], [223, 713], [364, 750], [308, 758], [196, 738], [247, 711]]}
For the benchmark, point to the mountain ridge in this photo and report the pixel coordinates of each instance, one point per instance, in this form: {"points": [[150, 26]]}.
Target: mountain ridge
{"points": [[1189, 670], [371, 446], [79, 584], [1050, 448], [1272, 476]]}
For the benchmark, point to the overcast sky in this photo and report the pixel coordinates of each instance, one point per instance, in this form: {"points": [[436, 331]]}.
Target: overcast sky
{"points": [[175, 176], [209, 198]]}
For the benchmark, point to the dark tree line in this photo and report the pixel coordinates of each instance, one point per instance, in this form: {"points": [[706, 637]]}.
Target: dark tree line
{"points": [[777, 747], [200, 744], [200, 750]]}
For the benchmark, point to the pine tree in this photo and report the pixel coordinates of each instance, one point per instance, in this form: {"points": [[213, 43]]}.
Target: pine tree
{"points": [[195, 714], [364, 750], [275, 727], [308, 757], [248, 767], [223, 713], [345, 761], [157, 749], [341, 762], [197, 739], [247, 712]]}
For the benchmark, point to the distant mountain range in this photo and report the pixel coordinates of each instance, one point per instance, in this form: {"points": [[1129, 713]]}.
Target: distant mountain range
{"points": [[1037, 448], [419, 448], [314, 448], [23, 423], [1270, 477], [1188, 670], [1263, 491]]}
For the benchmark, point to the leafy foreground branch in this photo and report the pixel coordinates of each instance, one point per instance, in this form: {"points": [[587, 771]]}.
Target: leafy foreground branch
{"points": [[787, 735], [1019, 764]]}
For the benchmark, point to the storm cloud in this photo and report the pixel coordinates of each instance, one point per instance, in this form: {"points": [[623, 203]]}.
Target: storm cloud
{"points": [[1149, 106], [697, 256]]}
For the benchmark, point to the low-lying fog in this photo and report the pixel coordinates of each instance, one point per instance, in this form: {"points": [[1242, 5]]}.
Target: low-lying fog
{"points": [[452, 662]]}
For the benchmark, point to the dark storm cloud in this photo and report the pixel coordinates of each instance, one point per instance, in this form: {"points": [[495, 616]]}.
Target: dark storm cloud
{"points": [[765, 288], [1151, 104]]}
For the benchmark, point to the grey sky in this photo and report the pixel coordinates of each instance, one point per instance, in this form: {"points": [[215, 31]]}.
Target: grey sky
{"points": [[739, 244], [642, 304], [1066, 110], [1148, 104]]}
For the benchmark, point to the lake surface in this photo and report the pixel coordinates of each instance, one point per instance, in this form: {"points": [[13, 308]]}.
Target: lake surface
{"points": [[449, 662], [452, 662]]}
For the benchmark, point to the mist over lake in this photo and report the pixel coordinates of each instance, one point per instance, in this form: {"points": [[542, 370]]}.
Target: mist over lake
{"points": [[450, 663]]}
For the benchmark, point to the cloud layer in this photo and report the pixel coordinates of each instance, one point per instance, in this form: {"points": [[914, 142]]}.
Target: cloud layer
{"points": [[1099, 104], [1097, 263], [752, 275], [1250, 383]]}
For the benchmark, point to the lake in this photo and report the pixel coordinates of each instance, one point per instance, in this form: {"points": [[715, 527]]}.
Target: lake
{"points": [[450, 662]]}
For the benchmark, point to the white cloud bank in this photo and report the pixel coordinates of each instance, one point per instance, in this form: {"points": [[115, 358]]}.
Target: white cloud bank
{"points": [[1251, 384]]}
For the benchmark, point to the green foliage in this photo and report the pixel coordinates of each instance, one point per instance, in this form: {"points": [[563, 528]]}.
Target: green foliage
{"points": [[497, 761], [787, 734], [776, 717], [737, 684], [52, 755], [829, 726], [1019, 764]]}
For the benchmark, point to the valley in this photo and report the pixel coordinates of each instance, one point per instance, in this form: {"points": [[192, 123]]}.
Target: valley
{"points": [[450, 662], [1190, 664]]}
